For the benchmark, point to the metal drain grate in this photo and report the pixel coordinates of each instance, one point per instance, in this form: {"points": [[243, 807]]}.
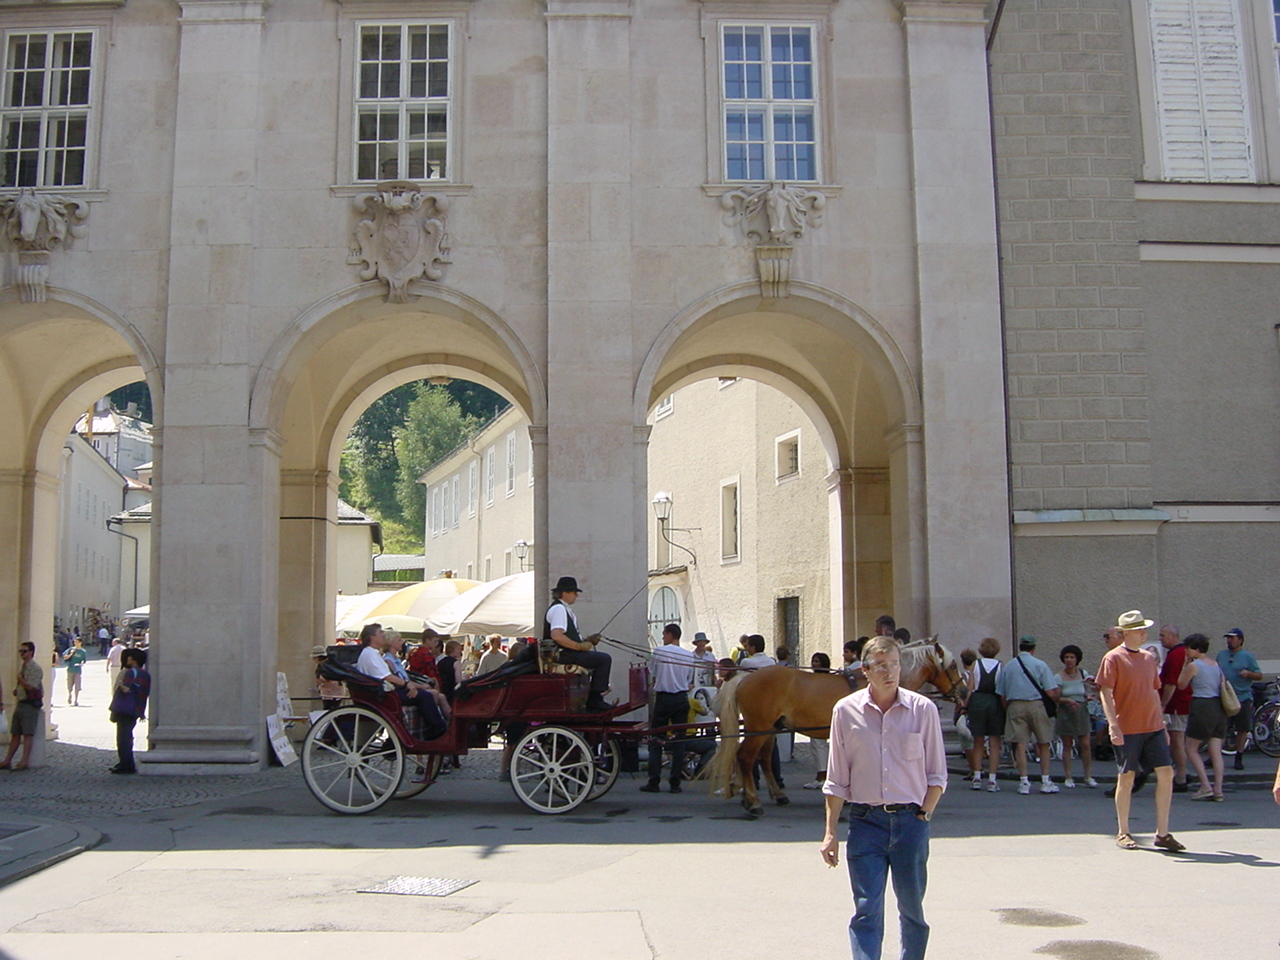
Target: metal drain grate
{"points": [[419, 886]]}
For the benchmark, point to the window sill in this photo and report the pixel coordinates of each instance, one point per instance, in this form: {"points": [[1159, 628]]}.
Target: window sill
{"points": [[87, 194], [444, 187], [720, 189]]}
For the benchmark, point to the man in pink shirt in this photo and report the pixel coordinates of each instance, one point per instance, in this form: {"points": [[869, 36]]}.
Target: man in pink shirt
{"points": [[887, 762]]}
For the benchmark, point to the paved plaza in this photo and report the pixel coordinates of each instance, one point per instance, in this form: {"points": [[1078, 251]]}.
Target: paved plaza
{"points": [[253, 867]]}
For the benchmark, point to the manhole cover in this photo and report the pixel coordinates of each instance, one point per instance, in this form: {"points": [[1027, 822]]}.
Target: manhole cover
{"points": [[419, 886]]}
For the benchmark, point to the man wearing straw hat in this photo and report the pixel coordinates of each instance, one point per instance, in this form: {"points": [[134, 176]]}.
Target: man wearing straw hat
{"points": [[1129, 678]]}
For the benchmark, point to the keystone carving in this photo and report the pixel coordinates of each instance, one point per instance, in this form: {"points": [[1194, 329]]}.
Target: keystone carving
{"points": [[36, 224], [403, 237], [774, 216]]}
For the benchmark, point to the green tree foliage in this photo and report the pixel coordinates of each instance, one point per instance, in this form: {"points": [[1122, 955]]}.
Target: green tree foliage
{"points": [[138, 394], [434, 425], [373, 477]]}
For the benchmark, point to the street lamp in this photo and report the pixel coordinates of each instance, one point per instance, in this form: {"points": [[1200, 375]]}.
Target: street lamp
{"points": [[662, 510], [521, 547]]}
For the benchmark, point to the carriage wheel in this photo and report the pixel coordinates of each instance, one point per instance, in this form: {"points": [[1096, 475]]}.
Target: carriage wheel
{"points": [[419, 773], [352, 761], [608, 763], [553, 769]]}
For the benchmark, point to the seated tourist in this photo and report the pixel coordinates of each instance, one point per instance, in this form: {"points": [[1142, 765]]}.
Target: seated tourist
{"points": [[372, 664]]}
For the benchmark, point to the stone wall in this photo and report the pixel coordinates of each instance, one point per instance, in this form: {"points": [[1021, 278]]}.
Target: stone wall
{"points": [[1067, 147]]}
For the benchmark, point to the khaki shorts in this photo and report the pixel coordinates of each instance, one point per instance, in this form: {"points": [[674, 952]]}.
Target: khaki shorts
{"points": [[1026, 722], [1176, 722]]}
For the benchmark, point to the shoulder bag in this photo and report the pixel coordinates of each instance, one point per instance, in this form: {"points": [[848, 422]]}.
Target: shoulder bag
{"points": [[1050, 704], [1230, 702]]}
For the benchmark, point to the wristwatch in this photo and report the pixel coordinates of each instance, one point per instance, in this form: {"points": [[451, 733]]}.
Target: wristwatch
{"points": [[925, 815]]}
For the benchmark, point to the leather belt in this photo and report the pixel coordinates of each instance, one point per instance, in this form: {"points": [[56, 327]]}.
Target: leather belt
{"points": [[889, 807]]}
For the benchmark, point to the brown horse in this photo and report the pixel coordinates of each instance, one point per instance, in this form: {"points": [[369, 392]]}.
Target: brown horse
{"points": [[780, 698]]}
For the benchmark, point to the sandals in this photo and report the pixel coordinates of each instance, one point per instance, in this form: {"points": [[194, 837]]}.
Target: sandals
{"points": [[1168, 843], [1126, 842], [1204, 793]]}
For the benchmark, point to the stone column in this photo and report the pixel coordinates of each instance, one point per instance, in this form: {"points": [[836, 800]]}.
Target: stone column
{"points": [[217, 504], [873, 537], [595, 477], [907, 519], [969, 587], [843, 547], [541, 588], [308, 572]]}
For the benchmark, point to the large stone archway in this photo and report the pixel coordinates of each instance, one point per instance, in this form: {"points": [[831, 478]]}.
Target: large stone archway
{"points": [[865, 397], [58, 357], [322, 374]]}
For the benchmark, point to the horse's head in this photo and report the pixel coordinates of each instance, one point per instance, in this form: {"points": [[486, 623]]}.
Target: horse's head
{"points": [[947, 676]]}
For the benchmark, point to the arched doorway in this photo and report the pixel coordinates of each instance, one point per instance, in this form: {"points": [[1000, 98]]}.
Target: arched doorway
{"points": [[334, 363], [59, 357]]}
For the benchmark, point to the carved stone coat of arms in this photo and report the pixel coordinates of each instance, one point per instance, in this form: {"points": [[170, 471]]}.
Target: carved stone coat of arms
{"points": [[403, 237]]}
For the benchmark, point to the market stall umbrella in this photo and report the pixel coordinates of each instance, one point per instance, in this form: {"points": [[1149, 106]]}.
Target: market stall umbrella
{"points": [[354, 609], [503, 606], [405, 626]]}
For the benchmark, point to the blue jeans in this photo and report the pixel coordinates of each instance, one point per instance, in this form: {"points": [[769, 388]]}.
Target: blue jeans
{"points": [[883, 844]]}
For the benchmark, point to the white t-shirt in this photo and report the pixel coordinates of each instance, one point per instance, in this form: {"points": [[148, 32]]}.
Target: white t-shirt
{"points": [[371, 664], [756, 661], [558, 617], [672, 668]]}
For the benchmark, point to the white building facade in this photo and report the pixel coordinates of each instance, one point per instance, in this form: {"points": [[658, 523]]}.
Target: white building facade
{"points": [[605, 201]]}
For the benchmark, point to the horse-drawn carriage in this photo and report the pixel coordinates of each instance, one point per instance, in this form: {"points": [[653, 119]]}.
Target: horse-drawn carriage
{"points": [[356, 758]]}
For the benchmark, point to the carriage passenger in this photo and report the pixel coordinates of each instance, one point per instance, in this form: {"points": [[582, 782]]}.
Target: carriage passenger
{"points": [[394, 655], [372, 664]]}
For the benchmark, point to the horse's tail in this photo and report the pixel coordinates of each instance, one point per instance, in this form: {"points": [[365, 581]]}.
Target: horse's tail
{"points": [[724, 760]]}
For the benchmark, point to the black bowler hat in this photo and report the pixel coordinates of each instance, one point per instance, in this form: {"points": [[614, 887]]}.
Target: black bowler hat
{"points": [[567, 585]]}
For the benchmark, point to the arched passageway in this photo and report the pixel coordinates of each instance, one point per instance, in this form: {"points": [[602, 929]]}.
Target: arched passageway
{"points": [[58, 357]]}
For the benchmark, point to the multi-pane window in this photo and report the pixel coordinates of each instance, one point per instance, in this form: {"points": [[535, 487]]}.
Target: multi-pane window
{"points": [[46, 102], [770, 103], [729, 520], [489, 456], [473, 487], [403, 100], [511, 464]]}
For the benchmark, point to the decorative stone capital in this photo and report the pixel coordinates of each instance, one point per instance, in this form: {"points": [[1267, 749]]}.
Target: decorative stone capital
{"points": [[403, 237], [36, 225], [775, 216]]}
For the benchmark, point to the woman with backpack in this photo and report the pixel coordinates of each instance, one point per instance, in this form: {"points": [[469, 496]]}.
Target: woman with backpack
{"points": [[985, 713]]}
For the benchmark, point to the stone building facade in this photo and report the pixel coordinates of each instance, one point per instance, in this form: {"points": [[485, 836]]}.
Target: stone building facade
{"points": [[602, 202]]}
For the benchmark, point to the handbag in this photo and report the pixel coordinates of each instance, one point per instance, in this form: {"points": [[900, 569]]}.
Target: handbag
{"points": [[1230, 702], [1050, 704]]}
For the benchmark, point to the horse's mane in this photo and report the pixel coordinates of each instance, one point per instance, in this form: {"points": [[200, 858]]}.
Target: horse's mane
{"points": [[915, 651]]}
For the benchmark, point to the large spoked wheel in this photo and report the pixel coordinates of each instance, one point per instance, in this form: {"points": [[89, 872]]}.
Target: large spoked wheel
{"points": [[608, 763], [419, 773], [553, 769], [1266, 729], [352, 760]]}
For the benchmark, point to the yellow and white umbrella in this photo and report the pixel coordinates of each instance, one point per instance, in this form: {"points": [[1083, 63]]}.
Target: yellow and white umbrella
{"points": [[417, 600], [503, 606]]}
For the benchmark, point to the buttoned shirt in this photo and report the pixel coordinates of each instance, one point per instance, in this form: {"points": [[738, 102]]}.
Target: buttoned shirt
{"points": [[371, 664], [1013, 684], [672, 668], [890, 756], [756, 661]]}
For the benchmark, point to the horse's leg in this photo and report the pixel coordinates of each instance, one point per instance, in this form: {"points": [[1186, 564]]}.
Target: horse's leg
{"points": [[747, 754], [770, 775]]}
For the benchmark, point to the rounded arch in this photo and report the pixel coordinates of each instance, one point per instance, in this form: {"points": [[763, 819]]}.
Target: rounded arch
{"points": [[807, 358], [498, 355]]}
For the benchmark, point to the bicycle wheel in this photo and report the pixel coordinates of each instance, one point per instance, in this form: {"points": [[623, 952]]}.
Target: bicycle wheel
{"points": [[1266, 729], [352, 761]]}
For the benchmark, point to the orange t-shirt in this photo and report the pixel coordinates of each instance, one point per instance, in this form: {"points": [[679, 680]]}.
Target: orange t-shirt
{"points": [[1134, 679]]}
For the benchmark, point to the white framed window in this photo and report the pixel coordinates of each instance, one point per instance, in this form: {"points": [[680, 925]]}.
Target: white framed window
{"points": [[511, 464], [404, 101], [46, 109], [490, 456], [786, 456], [473, 487], [488, 567], [457, 499], [471, 570], [506, 563], [769, 102], [665, 408], [435, 511], [664, 608], [730, 520]]}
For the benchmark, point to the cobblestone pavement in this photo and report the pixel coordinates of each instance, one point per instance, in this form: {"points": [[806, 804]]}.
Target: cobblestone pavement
{"points": [[74, 785]]}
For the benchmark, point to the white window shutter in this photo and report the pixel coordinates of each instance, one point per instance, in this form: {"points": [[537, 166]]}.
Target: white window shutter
{"points": [[1202, 93]]}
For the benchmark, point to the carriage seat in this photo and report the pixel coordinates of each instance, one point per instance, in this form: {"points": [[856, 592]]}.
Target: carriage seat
{"points": [[547, 662]]}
